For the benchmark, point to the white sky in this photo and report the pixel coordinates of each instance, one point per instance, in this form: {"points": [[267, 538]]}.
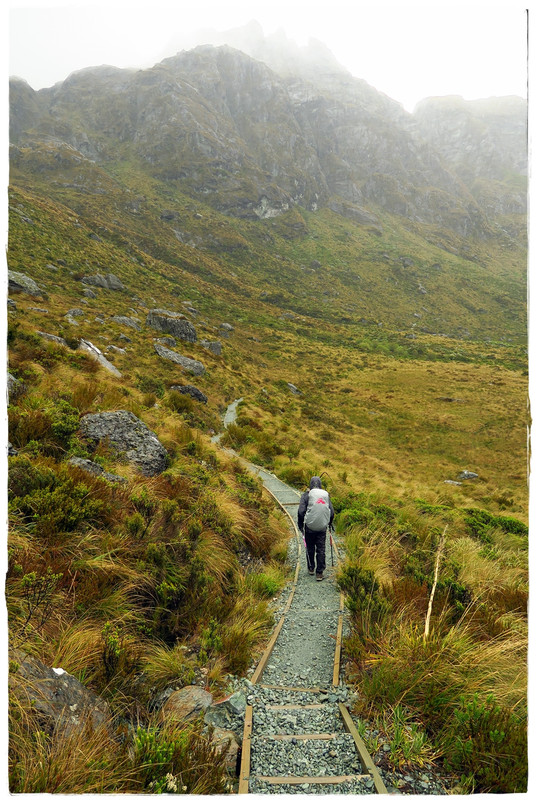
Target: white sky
{"points": [[407, 51]]}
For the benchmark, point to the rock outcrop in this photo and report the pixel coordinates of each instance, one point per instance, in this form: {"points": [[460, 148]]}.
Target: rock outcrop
{"points": [[193, 391], [95, 353], [109, 281], [19, 282], [189, 364], [129, 436], [172, 323], [60, 700]]}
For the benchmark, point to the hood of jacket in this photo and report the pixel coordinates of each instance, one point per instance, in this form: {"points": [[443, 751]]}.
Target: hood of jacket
{"points": [[315, 482]]}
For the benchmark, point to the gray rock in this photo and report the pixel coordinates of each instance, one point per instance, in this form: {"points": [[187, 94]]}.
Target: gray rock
{"points": [[95, 469], [90, 293], [61, 701], [93, 351], [52, 338], [130, 322], [225, 326], [293, 389], [19, 282], [113, 349], [193, 391], [212, 347], [108, 281], [75, 312], [186, 703], [168, 341], [189, 364], [225, 713], [15, 388], [173, 323], [466, 475], [127, 434]]}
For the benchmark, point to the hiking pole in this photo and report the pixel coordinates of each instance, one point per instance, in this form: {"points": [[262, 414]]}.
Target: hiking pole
{"points": [[306, 552], [331, 543]]}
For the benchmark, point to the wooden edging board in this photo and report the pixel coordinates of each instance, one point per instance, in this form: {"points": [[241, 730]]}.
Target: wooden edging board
{"points": [[364, 755], [245, 761]]}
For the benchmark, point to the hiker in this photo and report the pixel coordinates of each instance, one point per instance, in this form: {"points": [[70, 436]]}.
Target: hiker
{"points": [[315, 515]]}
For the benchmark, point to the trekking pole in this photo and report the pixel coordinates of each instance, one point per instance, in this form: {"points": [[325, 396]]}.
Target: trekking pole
{"points": [[306, 553], [331, 543]]}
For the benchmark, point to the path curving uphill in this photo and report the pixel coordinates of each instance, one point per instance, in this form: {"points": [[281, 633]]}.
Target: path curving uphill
{"points": [[298, 736]]}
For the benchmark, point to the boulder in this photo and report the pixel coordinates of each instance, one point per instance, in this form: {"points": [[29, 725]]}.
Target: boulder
{"points": [[90, 293], [228, 714], [466, 475], [95, 469], [14, 388], [108, 281], [173, 323], [52, 338], [293, 389], [193, 391], [212, 347], [130, 322], [227, 741], [186, 703], [61, 701], [19, 282], [189, 364], [127, 434], [93, 351]]}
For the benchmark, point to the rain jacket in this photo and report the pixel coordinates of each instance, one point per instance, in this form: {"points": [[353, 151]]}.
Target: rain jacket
{"points": [[315, 511]]}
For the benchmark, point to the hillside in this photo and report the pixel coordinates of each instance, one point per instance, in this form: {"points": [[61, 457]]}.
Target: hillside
{"points": [[227, 226]]}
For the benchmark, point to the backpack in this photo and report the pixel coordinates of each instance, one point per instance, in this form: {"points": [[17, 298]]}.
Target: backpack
{"points": [[318, 511]]}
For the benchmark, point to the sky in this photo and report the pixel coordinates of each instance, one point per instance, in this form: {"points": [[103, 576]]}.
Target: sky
{"points": [[407, 51]]}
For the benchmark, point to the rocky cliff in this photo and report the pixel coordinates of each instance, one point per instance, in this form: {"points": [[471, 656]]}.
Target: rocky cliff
{"points": [[253, 142]]}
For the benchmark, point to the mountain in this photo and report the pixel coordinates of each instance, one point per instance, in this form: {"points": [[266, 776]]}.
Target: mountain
{"points": [[254, 142], [262, 231]]}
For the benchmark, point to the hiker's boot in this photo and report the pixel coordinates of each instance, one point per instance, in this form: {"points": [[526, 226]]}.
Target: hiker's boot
{"points": [[320, 576], [311, 572]]}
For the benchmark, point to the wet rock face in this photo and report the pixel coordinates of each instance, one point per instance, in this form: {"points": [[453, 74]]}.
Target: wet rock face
{"points": [[172, 323], [128, 435]]}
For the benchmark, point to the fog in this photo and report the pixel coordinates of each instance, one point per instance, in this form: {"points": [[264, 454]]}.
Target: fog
{"points": [[406, 51]]}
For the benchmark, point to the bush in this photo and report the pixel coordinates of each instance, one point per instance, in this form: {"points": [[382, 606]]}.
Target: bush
{"points": [[488, 744]]}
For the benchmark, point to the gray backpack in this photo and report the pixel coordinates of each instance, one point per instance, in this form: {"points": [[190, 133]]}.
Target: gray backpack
{"points": [[318, 511]]}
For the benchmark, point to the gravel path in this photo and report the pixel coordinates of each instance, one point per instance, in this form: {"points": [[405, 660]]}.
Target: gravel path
{"points": [[303, 659]]}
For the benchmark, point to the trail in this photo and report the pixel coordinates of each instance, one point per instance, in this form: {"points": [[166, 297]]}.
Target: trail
{"points": [[299, 737]]}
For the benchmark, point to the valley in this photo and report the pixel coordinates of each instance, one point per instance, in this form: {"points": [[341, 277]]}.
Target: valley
{"points": [[203, 231]]}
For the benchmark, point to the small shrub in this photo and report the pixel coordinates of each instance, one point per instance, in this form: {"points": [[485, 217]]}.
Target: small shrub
{"points": [[489, 744]]}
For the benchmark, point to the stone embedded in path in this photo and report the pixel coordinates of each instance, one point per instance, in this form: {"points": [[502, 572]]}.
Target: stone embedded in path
{"points": [[173, 323], [19, 282], [189, 364], [127, 434]]}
